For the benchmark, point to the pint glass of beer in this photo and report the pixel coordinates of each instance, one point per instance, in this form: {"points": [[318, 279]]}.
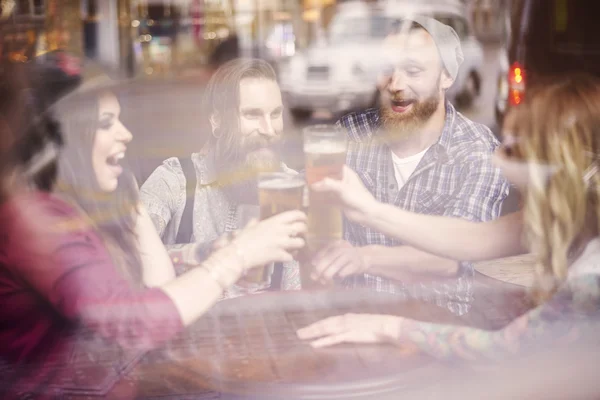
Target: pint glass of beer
{"points": [[325, 149], [325, 153], [277, 192]]}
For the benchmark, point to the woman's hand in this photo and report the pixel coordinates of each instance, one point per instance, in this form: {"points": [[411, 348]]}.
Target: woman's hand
{"points": [[356, 201], [271, 240], [224, 240], [352, 328]]}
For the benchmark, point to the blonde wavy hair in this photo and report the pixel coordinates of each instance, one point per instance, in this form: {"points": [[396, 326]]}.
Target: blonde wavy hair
{"points": [[557, 131]]}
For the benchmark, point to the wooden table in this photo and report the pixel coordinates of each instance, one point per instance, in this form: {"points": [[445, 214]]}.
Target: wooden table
{"points": [[518, 270], [248, 347]]}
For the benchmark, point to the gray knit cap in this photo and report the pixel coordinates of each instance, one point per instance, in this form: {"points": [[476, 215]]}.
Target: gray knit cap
{"points": [[445, 39]]}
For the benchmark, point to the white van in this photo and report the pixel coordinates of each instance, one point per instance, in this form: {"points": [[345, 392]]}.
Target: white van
{"points": [[340, 74]]}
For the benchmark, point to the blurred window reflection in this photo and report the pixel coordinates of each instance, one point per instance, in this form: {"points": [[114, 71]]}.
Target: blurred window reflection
{"points": [[345, 30], [458, 24], [348, 30], [24, 7], [30, 7]]}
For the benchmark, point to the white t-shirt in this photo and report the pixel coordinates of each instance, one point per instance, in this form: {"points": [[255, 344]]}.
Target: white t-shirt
{"points": [[404, 167]]}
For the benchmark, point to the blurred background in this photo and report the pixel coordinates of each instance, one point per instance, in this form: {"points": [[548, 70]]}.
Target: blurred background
{"points": [[162, 52]]}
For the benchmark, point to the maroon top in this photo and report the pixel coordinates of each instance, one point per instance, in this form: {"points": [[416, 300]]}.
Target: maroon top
{"points": [[56, 276]]}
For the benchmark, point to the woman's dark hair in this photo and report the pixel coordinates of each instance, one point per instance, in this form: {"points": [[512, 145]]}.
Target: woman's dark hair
{"points": [[29, 136], [12, 110], [115, 213], [222, 99]]}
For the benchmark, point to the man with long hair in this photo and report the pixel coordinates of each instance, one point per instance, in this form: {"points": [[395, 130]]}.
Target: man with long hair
{"points": [[244, 111]]}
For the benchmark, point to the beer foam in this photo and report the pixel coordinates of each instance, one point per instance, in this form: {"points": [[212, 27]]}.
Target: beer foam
{"points": [[325, 147], [280, 183]]}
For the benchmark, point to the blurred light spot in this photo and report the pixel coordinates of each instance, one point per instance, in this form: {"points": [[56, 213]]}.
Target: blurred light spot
{"points": [[516, 97], [135, 23]]}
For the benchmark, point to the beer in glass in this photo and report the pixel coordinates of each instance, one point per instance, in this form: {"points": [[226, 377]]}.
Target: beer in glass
{"points": [[277, 192], [325, 154], [325, 149]]}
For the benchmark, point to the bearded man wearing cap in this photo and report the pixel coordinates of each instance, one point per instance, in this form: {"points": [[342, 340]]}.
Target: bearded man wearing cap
{"points": [[417, 152]]}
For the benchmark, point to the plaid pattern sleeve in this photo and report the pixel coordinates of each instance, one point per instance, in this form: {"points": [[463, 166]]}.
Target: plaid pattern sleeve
{"points": [[481, 195], [482, 187], [455, 178]]}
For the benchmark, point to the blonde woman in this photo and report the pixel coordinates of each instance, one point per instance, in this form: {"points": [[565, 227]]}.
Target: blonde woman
{"points": [[551, 152]]}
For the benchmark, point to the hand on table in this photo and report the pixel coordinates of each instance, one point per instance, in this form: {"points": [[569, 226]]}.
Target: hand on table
{"points": [[356, 201], [352, 328], [338, 260]]}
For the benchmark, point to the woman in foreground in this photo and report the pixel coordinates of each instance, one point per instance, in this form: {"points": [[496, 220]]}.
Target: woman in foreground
{"points": [[551, 149], [73, 260]]}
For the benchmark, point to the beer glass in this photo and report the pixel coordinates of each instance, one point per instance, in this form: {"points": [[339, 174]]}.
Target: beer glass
{"points": [[325, 148], [325, 153], [277, 192]]}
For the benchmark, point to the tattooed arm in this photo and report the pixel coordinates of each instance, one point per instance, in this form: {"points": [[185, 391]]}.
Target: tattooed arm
{"points": [[530, 332], [563, 318]]}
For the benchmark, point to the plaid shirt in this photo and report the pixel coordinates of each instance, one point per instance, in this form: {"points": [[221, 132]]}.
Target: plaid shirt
{"points": [[455, 178]]}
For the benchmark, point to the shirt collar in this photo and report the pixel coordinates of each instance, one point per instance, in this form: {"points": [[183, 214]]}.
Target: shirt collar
{"points": [[449, 130], [206, 166]]}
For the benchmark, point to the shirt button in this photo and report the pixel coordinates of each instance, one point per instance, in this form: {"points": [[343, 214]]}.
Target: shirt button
{"points": [[392, 186]]}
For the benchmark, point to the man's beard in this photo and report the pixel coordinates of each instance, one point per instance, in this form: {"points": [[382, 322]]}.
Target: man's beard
{"points": [[239, 178], [400, 126]]}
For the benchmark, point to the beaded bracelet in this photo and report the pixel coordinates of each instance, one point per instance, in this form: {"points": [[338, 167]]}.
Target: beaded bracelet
{"points": [[214, 272]]}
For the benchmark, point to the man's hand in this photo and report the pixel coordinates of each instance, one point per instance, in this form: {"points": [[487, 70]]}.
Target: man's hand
{"points": [[339, 259], [350, 194]]}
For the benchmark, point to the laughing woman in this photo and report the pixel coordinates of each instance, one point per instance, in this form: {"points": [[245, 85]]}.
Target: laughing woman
{"points": [[551, 151], [87, 256]]}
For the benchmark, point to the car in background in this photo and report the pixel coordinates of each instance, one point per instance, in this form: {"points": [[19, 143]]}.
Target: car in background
{"points": [[547, 38], [340, 74]]}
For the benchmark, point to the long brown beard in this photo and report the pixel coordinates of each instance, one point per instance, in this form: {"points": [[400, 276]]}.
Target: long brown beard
{"points": [[261, 162], [239, 180], [400, 126]]}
